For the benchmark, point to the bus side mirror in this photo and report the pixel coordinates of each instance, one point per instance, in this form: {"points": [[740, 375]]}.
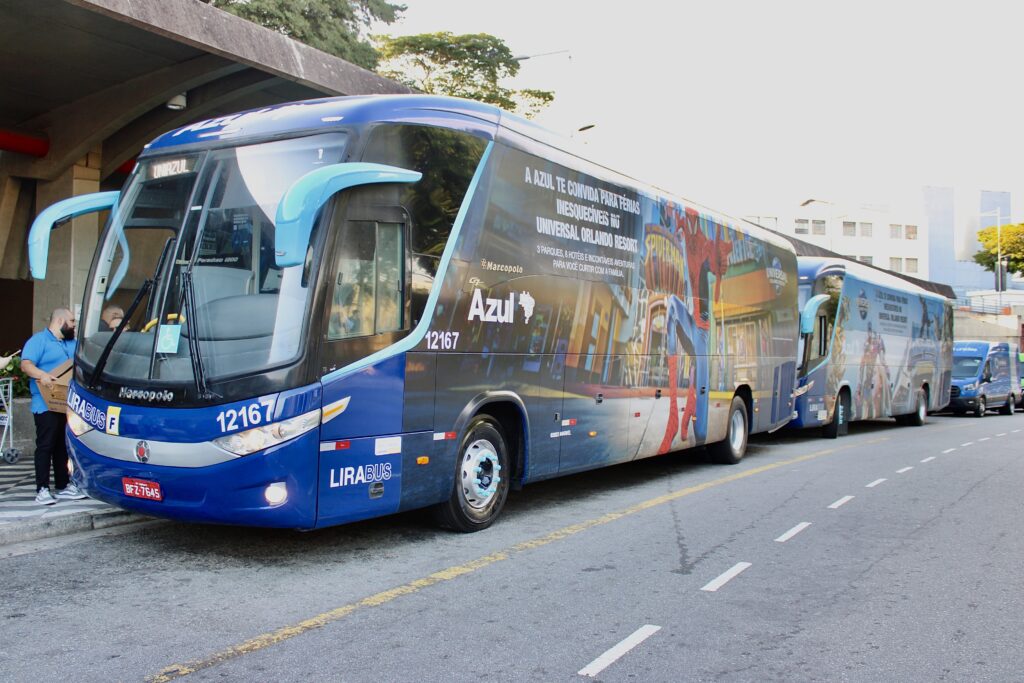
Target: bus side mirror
{"points": [[303, 200], [809, 315], [51, 216]]}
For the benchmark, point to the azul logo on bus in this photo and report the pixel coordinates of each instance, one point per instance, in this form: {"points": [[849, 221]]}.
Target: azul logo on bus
{"points": [[500, 310], [364, 474]]}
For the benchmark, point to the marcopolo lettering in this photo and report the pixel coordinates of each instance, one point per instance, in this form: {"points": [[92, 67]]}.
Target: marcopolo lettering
{"points": [[150, 395], [364, 474]]}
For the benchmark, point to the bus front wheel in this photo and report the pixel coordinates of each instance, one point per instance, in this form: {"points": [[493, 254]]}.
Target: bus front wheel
{"points": [[732, 449], [482, 475]]}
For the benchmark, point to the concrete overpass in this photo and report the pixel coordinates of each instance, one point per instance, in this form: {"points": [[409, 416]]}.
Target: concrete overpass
{"points": [[84, 84]]}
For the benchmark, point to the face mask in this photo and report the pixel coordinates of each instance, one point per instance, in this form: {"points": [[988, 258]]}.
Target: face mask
{"points": [[68, 332]]}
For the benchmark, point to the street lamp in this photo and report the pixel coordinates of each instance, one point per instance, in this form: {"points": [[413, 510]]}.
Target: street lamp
{"points": [[997, 212]]}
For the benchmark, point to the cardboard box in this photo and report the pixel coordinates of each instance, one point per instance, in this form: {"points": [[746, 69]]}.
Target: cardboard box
{"points": [[56, 394]]}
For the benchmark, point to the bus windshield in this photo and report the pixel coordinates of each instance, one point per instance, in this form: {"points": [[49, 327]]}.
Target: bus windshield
{"points": [[966, 367], [207, 219]]}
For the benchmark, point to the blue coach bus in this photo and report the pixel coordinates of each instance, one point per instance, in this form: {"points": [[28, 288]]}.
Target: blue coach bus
{"points": [[344, 308], [873, 346]]}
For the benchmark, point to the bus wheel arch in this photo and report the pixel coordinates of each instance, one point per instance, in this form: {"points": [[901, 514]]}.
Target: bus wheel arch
{"points": [[745, 393], [840, 423], [490, 460]]}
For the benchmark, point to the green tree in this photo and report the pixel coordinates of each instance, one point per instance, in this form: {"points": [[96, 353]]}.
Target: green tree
{"points": [[1012, 237], [470, 66], [334, 26]]}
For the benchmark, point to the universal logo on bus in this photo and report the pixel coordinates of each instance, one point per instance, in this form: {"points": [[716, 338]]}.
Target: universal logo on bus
{"points": [[777, 277], [490, 310]]}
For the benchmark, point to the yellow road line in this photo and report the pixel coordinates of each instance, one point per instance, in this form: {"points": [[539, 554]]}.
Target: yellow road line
{"points": [[287, 632]]}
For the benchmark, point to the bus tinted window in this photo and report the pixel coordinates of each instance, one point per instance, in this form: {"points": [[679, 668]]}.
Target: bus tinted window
{"points": [[446, 158]]}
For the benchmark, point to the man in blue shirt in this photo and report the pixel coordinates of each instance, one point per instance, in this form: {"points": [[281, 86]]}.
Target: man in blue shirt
{"points": [[43, 352]]}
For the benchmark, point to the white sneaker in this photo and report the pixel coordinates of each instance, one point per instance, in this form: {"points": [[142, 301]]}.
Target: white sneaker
{"points": [[44, 497], [70, 492]]}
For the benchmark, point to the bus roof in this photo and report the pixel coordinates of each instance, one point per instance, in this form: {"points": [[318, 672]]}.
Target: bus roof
{"points": [[811, 266], [326, 113]]}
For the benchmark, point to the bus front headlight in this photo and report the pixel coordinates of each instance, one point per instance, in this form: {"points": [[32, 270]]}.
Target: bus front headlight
{"points": [[77, 425], [261, 438], [970, 387]]}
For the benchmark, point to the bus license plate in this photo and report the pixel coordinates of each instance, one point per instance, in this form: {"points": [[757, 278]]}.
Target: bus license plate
{"points": [[140, 488]]}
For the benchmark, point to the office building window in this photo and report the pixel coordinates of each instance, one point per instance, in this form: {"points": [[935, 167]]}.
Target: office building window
{"points": [[801, 226], [818, 227], [865, 230], [849, 229], [911, 265], [911, 232], [895, 231], [895, 264]]}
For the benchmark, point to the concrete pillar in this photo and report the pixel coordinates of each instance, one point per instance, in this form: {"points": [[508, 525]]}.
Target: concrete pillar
{"points": [[71, 245]]}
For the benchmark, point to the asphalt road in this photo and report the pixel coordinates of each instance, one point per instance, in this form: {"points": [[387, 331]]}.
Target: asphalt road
{"points": [[892, 554]]}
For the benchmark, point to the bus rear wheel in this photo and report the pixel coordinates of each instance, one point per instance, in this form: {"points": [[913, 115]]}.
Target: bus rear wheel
{"points": [[734, 447], [481, 478], [920, 414], [840, 424]]}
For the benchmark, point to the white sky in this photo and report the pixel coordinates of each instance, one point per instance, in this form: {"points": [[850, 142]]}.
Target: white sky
{"points": [[751, 106]]}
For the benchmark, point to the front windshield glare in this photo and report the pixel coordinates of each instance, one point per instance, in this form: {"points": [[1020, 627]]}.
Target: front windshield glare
{"points": [[211, 215]]}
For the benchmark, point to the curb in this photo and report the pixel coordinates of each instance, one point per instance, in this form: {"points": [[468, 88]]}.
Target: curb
{"points": [[34, 530]]}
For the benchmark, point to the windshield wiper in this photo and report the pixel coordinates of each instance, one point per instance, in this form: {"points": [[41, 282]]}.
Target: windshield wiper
{"points": [[198, 371], [97, 371], [102, 361]]}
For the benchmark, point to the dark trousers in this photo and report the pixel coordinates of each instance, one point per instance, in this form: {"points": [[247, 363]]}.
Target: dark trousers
{"points": [[51, 449]]}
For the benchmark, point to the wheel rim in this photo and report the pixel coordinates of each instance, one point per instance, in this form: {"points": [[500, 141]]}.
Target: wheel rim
{"points": [[480, 474], [737, 427]]}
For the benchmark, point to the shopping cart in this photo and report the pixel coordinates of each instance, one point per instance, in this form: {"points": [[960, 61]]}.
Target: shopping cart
{"points": [[7, 449]]}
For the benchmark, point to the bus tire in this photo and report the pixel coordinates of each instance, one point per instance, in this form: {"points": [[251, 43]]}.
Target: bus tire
{"points": [[920, 414], [840, 424], [1010, 407], [982, 407], [482, 475], [732, 449]]}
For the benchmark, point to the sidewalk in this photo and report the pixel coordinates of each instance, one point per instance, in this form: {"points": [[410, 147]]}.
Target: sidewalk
{"points": [[22, 519]]}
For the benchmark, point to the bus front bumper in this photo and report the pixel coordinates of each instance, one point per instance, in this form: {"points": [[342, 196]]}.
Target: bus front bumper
{"points": [[232, 492]]}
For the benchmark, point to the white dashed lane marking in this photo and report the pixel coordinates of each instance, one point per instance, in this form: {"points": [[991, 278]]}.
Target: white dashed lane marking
{"points": [[839, 503], [1003, 434], [948, 450], [985, 438], [905, 469], [728, 576], [965, 445], [929, 459], [875, 483], [610, 656], [792, 532]]}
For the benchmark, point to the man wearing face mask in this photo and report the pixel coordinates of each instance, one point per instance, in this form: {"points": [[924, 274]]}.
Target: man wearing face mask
{"points": [[43, 352]]}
